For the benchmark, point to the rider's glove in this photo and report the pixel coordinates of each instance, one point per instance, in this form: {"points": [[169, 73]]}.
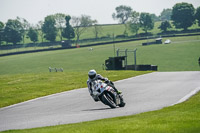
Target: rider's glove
{"points": [[107, 81]]}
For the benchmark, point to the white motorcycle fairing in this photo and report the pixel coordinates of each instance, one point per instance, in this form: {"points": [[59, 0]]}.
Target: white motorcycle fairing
{"points": [[106, 94]]}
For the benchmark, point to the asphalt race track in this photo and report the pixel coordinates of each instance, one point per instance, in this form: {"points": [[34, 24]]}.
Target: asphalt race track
{"points": [[142, 93]]}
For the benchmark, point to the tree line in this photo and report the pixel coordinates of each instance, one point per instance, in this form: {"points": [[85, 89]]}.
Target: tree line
{"points": [[55, 25], [183, 15]]}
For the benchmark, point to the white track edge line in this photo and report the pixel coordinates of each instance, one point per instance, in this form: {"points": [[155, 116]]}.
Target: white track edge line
{"points": [[189, 95]]}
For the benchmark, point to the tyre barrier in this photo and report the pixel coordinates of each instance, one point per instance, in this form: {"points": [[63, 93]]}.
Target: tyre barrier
{"points": [[142, 67]]}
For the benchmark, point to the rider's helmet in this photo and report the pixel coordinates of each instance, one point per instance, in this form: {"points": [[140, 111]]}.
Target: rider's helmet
{"points": [[92, 74]]}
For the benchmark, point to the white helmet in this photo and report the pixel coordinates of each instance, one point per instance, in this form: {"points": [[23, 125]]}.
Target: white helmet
{"points": [[92, 74]]}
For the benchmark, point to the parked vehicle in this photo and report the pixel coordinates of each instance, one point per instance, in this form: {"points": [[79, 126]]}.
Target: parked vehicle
{"points": [[167, 41]]}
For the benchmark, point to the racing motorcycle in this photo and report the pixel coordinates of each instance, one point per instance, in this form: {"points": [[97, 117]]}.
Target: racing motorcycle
{"points": [[106, 94]]}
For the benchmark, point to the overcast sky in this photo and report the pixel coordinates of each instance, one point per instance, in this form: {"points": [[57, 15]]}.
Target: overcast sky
{"points": [[101, 10]]}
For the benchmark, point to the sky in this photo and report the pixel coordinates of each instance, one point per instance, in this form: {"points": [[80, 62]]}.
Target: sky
{"points": [[101, 10]]}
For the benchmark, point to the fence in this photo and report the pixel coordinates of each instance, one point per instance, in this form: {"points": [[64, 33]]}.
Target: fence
{"points": [[55, 69]]}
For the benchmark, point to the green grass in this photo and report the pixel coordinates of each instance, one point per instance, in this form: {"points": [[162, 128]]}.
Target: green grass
{"points": [[21, 87], [181, 118], [181, 55], [178, 56], [109, 30], [26, 76], [28, 49]]}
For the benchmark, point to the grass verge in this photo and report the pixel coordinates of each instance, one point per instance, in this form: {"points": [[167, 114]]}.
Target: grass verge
{"points": [[180, 118], [21, 87]]}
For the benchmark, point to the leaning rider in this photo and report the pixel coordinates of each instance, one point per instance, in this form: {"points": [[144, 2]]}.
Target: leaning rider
{"points": [[92, 76]]}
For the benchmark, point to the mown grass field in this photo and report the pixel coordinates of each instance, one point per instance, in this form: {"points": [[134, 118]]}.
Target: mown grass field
{"points": [[181, 118], [181, 55]]}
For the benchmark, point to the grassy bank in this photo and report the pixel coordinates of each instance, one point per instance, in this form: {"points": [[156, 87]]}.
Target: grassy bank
{"points": [[181, 118], [22, 87]]}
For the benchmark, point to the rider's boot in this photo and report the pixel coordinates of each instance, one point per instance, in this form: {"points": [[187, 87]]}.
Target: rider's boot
{"points": [[119, 92]]}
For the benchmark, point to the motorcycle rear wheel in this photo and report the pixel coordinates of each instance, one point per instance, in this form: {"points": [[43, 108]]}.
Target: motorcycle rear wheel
{"points": [[122, 103]]}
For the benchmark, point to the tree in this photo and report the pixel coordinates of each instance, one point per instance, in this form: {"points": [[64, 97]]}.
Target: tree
{"points": [[1, 25], [165, 25], [134, 23], [166, 14], [122, 13], [60, 23], [81, 24], [183, 15], [13, 31], [97, 29], [33, 35], [49, 28], [1, 31], [154, 17], [197, 15], [39, 30], [25, 25], [68, 32], [146, 22]]}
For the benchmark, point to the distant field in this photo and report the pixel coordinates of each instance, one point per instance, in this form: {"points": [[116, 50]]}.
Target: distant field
{"points": [[116, 29], [110, 30], [106, 34], [181, 55]]}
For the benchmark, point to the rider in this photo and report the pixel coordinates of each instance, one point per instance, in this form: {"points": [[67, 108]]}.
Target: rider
{"points": [[92, 76]]}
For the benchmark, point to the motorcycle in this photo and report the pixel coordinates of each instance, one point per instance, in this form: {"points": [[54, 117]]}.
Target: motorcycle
{"points": [[106, 94]]}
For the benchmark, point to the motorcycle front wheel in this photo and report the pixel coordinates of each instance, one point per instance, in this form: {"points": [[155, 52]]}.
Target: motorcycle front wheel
{"points": [[109, 99]]}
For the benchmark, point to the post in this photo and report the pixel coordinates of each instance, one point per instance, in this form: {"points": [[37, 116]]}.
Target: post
{"points": [[135, 57], [114, 49], [117, 52], [114, 44], [126, 57]]}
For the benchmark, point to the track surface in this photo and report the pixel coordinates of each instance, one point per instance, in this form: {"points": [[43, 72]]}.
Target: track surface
{"points": [[142, 93]]}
